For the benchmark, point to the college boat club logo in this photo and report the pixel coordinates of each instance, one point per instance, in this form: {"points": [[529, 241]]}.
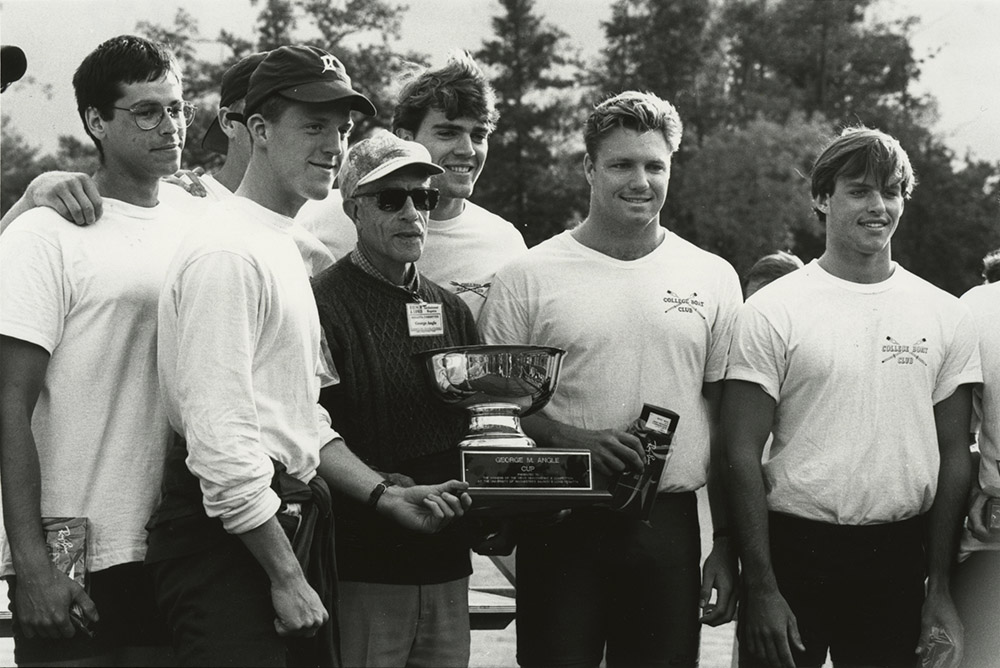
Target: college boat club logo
{"points": [[689, 304], [904, 354], [476, 288]]}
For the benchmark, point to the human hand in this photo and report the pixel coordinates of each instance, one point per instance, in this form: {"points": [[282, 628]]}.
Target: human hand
{"points": [[426, 508], [189, 180], [612, 451], [771, 628], [43, 600], [939, 612], [73, 195], [721, 573], [977, 518], [298, 609]]}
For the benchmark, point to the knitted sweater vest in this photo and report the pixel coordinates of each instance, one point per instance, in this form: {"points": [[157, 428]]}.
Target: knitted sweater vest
{"points": [[384, 409]]}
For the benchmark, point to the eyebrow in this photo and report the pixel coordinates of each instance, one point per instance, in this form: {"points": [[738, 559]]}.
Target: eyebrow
{"points": [[461, 128]]}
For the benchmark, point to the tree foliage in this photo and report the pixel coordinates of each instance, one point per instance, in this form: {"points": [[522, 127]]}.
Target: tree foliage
{"points": [[758, 83], [525, 179], [747, 190]]}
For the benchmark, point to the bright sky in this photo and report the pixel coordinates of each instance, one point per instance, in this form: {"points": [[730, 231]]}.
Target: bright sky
{"points": [[57, 34]]}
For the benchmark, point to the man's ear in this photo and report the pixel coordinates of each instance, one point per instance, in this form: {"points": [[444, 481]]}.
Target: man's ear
{"points": [[258, 129], [588, 168], [403, 133], [228, 126], [351, 209], [822, 203], [95, 123]]}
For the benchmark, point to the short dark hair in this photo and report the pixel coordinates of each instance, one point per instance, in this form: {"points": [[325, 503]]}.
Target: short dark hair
{"points": [[991, 266], [769, 268], [632, 110], [862, 152], [125, 59], [458, 89], [274, 107]]}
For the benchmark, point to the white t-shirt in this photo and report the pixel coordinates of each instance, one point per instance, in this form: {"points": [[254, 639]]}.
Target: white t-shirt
{"points": [[239, 358], [463, 253], [313, 251], [983, 302], [326, 220], [652, 330], [88, 296], [856, 370]]}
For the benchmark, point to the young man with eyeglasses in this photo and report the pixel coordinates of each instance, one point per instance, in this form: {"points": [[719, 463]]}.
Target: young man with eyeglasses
{"points": [[82, 429], [239, 357], [405, 596]]}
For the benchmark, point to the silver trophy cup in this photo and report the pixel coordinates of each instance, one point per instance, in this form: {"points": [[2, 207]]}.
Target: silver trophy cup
{"points": [[497, 385]]}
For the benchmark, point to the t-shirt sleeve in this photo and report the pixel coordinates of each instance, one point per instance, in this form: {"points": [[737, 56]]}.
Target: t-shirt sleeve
{"points": [[757, 353], [34, 291], [220, 302], [962, 363], [504, 318], [730, 300]]}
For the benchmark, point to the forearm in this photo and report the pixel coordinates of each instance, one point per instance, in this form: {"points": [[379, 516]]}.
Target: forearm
{"points": [[952, 417], [716, 467], [747, 416], [270, 547], [945, 516], [345, 472], [22, 373], [20, 479], [547, 432]]}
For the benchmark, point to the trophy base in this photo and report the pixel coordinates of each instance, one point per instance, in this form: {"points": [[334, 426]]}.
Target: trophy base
{"points": [[528, 480], [505, 503]]}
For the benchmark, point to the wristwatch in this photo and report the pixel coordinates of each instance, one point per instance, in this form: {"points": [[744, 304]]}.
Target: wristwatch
{"points": [[378, 492]]}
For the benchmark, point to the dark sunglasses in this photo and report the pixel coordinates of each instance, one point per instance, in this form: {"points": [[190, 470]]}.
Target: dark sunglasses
{"points": [[394, 199]]}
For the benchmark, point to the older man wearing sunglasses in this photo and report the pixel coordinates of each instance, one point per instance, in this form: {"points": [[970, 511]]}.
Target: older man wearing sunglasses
{"points": [[404, 597]]}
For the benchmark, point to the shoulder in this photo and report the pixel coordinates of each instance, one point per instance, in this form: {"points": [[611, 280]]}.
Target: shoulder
{"points": [[696, 256], [928, 293], [983, 297], [491, 221], [44, 224]]}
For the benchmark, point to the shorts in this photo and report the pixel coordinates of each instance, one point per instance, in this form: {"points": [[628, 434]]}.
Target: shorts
{"points": [[128, 619], [855, 591], [600, 580]]}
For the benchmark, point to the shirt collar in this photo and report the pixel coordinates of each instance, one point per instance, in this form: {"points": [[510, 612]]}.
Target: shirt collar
{"points": [[411, 279]]}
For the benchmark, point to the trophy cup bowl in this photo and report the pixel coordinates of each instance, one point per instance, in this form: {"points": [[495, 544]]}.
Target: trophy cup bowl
{"points": [[497, 385]]}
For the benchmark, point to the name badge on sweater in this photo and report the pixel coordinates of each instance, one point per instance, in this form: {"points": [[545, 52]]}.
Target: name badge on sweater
{"points": [[425, 319]]}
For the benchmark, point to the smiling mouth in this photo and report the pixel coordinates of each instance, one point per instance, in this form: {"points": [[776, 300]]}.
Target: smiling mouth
{"points": [[874, 224], [637, 200], [460, 169]]}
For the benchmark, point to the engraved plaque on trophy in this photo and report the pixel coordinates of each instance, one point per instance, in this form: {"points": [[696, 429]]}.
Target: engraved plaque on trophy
{"points": [[497, 385]]}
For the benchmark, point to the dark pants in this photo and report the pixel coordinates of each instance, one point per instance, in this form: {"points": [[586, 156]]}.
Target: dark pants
{"points": [[976, 587], [855, 591], [218, 607], [599, 578], [129, 622]]}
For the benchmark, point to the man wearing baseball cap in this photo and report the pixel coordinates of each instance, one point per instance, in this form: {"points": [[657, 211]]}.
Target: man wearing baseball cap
{"points": [[239, 358], [404, 596], [227, 135]]}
